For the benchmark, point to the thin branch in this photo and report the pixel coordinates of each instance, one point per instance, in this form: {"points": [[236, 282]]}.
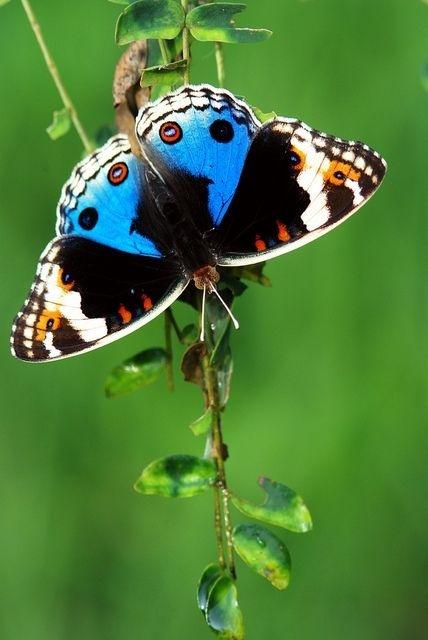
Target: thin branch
{"points": [[219, 59], [218, 454], [168, 349], [186, 45], [164, 51], [53, 70]]}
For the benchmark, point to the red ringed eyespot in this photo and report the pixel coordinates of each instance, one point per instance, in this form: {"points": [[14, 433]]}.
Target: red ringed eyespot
{"points": [[118, 172], [170, 132]]}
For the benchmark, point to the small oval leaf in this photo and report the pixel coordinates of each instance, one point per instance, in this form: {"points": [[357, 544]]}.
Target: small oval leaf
{"points": [[263, 552], [210, 575], [179, 476], [189, 334], [202, 425], [222, 612], [60, 125], [264, 117], [162, 19], [167, 74], [283, 507], [137, 372], [214, 23]]}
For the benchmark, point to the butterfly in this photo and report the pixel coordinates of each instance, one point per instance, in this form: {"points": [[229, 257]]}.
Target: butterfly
{"points": [[213, 188]]}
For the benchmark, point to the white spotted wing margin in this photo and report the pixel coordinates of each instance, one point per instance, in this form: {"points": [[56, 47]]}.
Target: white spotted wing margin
{"points": [[296, 185], [86, 295]]}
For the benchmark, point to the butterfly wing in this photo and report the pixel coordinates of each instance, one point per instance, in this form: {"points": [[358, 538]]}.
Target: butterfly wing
{"points": [[87, 294], [204, 133], [104, 199], [101, 278], [296, 184]]}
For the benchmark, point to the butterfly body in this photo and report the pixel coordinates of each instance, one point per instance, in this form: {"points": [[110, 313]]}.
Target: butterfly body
{"points": [[212, 188]]}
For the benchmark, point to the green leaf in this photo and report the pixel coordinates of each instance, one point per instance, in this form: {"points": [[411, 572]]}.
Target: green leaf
{"points": [[252, 273], [235, 286], [209, 577], [203, 424], [214, 23], [150, 19], [283, 507], [168, 74], [178, 476], [222, 611], [3, 2], [121, 1], [189, 334], [263, 552], [139, 371], [264, 117], [61, 124]]}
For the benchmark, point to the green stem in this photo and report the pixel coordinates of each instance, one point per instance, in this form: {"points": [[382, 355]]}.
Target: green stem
{"points": [[186, 45], [53, 70], [219, 455], [168, 349], [164, 51], [219, 59]]}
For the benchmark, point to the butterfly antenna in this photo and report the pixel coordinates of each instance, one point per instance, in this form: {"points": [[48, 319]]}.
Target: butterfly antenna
{"points": [[204, 295], [232, 317]]}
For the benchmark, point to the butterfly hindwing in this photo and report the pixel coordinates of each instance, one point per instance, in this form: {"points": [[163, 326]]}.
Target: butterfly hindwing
{"points": [[86, 294], [296, 184]]}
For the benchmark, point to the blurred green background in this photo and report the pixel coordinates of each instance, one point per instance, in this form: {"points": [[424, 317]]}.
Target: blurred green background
{"points": [[329, 393]]}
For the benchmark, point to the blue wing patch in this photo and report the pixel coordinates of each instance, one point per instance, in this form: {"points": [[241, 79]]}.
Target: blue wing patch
{"points": [[101, 199], [204, 131]]}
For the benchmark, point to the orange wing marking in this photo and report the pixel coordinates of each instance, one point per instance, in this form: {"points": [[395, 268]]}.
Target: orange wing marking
{"points": [[283, 234], [48, 321], [125, 314]]}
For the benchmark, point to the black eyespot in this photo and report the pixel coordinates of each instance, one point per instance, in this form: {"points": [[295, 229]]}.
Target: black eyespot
{"points": [[294, 158], [222, 131], [66, 277], [88, 218], [50, 323], [339, 175]]}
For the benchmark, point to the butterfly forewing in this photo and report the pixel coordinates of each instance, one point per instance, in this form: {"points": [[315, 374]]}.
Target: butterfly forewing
{"points": [[297, 183]]}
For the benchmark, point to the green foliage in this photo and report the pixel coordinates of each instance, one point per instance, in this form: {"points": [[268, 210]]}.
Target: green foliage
{"points": [[60, 125], [208, 578], [179, 476], [167, 74], [283, 507], [424, 75], [222, 612], [214, 23], [136, 372], [263, 552], [150, 19], [3, 2], [264, 117], [202, 425]]}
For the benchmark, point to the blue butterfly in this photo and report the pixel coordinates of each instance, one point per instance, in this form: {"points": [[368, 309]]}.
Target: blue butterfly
{"points": [[212, 188]]}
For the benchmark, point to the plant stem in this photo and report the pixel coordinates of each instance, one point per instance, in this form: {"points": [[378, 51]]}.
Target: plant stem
{"points": [[168, 349], [164, 51], [186, 44], [219, 454], [56, 77], [219, 59]]}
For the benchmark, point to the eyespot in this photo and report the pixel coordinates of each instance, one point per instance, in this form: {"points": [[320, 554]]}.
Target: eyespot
{"points": [[88, 218], [222, 131], [50, 323], [339, 175], [294, 158], [117, 173], [170, 132]]}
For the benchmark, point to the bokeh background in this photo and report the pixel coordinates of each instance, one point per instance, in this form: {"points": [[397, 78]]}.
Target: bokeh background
{"points": [[329, 394]]}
